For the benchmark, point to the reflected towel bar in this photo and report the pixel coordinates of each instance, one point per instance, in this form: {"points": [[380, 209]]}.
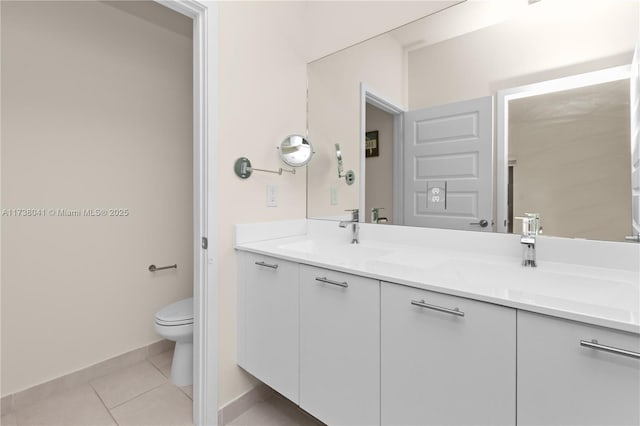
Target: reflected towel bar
{"points": [[153, 268]]}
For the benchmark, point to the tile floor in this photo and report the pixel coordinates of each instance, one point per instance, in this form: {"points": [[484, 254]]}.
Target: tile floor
{"points": [[142, 395], [139, 395], [275, 411]]}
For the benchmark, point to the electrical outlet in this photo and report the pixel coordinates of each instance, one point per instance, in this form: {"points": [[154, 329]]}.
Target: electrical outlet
{"points": [[272, 196], [333, 193]]}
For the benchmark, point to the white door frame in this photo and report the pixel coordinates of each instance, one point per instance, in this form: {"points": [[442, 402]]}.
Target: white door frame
{"points": [[550, 86], [368, 96], [205, 273]]}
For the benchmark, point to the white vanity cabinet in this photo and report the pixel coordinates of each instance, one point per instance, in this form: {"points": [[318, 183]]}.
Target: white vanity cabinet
{"points": [[352, 350], [268, 321], [446, 360], [563, 382], [339, 347]]}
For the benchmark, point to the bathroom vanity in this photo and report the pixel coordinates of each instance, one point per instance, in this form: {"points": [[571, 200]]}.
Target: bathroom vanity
{"points": [[434, 327]]}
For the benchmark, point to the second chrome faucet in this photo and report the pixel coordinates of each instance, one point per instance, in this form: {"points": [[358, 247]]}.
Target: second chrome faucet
{"points": [[355, 226], [530, 230]]}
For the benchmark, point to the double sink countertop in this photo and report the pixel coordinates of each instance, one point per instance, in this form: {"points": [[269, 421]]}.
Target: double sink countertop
{"points": [[604, 296]]}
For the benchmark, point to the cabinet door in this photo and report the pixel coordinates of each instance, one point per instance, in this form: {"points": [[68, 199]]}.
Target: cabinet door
{"points": [[442, 366], [561, 382], [268, 321], [339, 347]]}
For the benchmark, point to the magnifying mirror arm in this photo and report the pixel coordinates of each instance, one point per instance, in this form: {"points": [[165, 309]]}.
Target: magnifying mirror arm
{"points": [[243, 169], [279, 171]]}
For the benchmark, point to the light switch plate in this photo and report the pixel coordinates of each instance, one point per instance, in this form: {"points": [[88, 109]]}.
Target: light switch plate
{"points": [[272, 196], [333, 193]]}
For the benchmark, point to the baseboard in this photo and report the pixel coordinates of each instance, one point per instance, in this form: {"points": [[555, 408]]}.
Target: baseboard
{"points": [[244, 402], [30, 396]]}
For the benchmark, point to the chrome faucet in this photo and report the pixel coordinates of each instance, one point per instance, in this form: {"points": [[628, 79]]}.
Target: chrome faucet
{"points": [[530, 230], [355, 226], [375, 215]]}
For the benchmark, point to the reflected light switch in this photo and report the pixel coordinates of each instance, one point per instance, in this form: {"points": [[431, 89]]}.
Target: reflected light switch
{"points": [[333, 192], [272, 196]]}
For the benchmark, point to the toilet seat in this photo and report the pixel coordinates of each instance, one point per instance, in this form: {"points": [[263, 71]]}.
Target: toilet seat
{"points": [[175, 314], [175, 322]]}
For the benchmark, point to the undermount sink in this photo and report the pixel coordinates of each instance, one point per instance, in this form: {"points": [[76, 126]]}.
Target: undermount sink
{"points": [[555, 287], [334, 250]]}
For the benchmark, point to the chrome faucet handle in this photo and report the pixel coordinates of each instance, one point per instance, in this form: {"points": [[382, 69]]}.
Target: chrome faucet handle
{"points": [[530, 230], [530, 224], [375, 214], [355, 214], [635, 238]]}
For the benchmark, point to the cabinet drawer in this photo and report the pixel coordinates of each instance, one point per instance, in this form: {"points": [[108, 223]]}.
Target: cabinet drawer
{"points": [[561, 382], [339, 347], [446, 360], [268, 337]]}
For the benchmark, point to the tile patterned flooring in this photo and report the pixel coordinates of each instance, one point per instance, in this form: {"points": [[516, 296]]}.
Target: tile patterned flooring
{"points": [[139, 395], [142, 395], [275, 411]]}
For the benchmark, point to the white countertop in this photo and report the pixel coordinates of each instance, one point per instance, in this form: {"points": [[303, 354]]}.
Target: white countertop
{"points": [[596, 295]]}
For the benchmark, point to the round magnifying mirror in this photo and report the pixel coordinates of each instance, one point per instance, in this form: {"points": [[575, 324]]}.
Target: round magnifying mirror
{"points": [[296, 151]]}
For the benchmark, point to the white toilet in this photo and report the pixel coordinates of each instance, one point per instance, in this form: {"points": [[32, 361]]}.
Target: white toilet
{"points": [[175, 322]]}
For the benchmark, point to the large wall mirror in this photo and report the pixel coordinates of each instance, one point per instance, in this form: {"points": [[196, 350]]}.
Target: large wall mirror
{"points": [[446, 122]]}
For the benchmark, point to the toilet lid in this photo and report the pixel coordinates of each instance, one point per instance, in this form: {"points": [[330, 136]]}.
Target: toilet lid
{"points": [[178, 313]]}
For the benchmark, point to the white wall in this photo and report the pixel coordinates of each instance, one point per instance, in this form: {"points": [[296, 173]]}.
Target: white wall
{"points": [[334, 115], [96, 113], [335, 25], [262, 99]]}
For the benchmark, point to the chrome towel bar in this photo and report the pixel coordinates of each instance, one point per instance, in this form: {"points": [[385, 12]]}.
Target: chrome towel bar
{"points": [[153, 268]]}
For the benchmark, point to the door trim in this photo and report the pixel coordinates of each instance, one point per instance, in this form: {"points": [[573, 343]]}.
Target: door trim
{"points": [[368, 96], [205, 207]]}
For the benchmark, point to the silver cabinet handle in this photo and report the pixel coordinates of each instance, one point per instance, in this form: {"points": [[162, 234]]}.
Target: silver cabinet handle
{"points": [[423, 304], [593, 344], [328, 281], [635, 238], [268, 265]]}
